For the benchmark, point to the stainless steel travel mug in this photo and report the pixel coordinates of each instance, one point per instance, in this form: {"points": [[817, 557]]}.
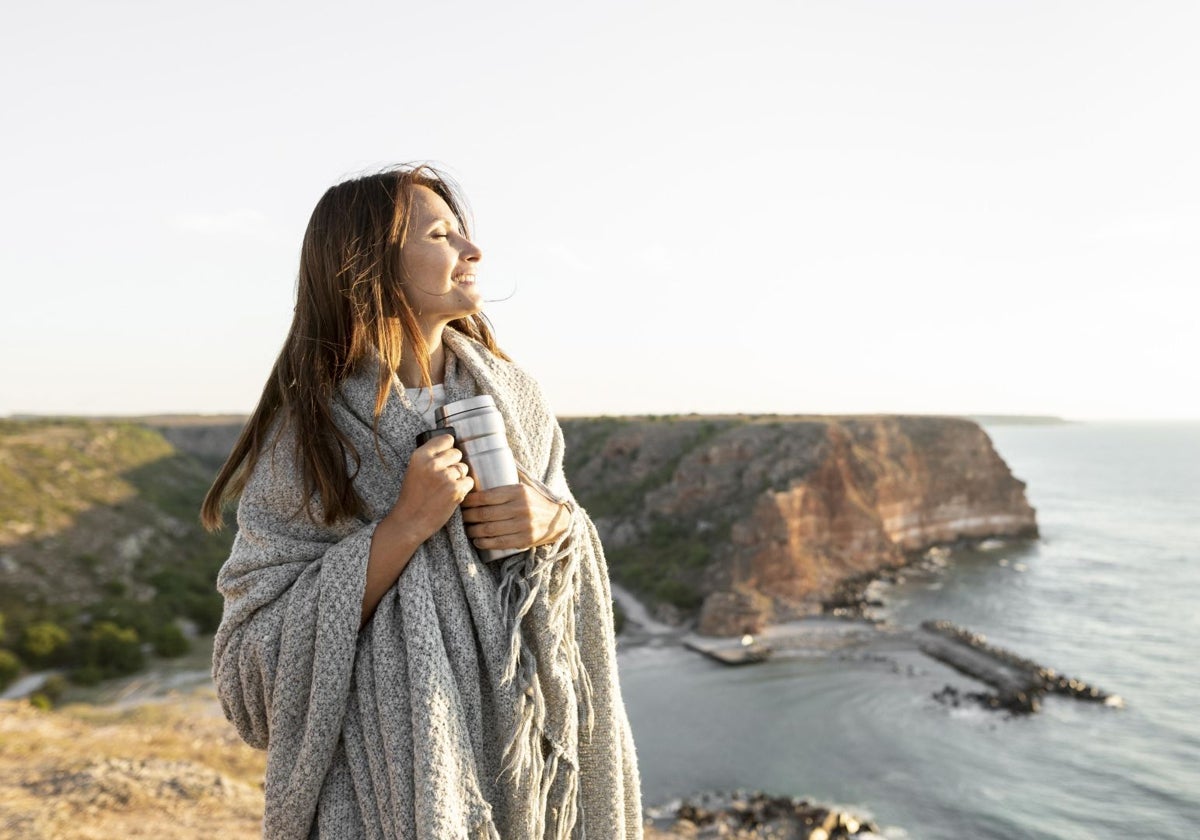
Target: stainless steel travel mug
{"points": [[479, 434]]}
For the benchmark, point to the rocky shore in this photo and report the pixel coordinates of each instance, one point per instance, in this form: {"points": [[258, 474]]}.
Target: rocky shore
{"points": [[755, 815]]}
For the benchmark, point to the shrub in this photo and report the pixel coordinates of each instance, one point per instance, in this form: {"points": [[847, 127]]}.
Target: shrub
{"points": [[45, 643], [10, 666], [53, 688], [113, 650], [170, 642], [206, 611], [87, 675], [142, 617], [618, 618], [683, 595], [41, 701]]}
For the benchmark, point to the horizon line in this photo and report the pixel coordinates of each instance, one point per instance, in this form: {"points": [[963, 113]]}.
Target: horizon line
{"points": [[978, 415]]}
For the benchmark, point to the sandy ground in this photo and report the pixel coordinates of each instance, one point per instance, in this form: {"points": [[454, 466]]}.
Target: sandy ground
{"points": [[161, 770]]}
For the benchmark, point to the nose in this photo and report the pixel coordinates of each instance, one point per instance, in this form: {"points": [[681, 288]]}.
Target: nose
{"points": [[471, 252]]}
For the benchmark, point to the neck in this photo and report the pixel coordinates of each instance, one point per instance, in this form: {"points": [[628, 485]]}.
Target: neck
{"points": [[410, 369]]}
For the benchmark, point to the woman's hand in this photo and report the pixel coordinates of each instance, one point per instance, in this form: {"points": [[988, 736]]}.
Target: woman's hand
{"points": [[515, 516], [434, 484]]}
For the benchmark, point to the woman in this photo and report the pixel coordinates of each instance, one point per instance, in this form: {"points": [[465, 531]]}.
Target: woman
{"points": [[401, 686]]}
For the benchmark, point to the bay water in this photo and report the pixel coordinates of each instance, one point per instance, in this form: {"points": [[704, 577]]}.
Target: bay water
{"points": [[1109, 594]]}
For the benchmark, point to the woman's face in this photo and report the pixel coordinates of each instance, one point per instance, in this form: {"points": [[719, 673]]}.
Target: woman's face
{"points": [[439, 263]]}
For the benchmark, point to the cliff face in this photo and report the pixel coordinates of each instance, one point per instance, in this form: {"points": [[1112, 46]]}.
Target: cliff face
{"points": [[735, 520], [753, 520]]}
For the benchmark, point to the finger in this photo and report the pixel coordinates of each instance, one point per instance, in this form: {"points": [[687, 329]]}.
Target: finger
{"points": [[506, 528], [437, 443], [460, 487], [517, 541], [446, 458], [495, 496], [492, 513]]}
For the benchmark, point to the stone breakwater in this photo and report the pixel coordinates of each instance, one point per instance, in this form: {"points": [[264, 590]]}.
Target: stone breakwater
{"points": [[761, 519], [1020, 683]]}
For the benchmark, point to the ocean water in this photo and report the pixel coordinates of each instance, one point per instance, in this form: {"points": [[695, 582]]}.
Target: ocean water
{"points": [[1109, 594]]}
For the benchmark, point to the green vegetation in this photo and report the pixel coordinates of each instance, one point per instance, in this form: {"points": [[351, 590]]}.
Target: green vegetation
{"points": [[101, 518], [55, 468], [169, 642], [587, 437], [50, 693], [113, 651], [616, 496], [10, 666], [665, 564], [44, 643]]}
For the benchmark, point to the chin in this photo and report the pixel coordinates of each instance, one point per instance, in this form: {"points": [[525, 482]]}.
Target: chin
{"points": [[465, 315]]}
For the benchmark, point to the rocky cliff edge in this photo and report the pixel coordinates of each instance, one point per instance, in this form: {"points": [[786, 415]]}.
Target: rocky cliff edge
{"points": [[741, 521]]}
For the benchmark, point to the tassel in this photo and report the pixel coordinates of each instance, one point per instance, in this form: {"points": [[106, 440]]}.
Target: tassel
{"points": [[561, 770], [523, 578], [568, 807], [517, 753], [548, 777]]}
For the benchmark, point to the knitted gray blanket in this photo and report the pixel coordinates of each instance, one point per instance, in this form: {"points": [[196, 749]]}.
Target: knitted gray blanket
{"points": [[480, 701]]}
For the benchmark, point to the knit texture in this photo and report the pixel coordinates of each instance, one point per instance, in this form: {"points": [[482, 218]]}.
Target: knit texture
{"points": [[480, 701]]}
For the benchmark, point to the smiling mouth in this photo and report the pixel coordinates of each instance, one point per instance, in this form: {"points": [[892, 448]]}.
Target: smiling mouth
{"points": [[465, 279]]}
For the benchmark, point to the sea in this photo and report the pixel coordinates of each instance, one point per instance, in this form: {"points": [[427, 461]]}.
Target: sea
{"points": [[1108, 594]]}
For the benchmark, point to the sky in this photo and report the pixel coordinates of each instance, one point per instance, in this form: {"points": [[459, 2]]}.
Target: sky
{"points": [[767, 207]]}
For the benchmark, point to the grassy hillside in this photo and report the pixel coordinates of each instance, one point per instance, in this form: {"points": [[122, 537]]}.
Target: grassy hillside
{"points": [[101, 550]]}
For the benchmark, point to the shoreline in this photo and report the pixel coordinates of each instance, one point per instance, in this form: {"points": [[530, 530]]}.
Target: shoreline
{"points": [[856, 617]]}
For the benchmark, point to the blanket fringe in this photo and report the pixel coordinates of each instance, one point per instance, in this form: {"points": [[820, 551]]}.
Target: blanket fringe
{"points": [[522, 578], [561, 817], [563, 616], [486, 830]]}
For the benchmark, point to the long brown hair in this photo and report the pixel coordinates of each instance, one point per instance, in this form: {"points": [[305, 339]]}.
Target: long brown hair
{"points": [[348, 301]]}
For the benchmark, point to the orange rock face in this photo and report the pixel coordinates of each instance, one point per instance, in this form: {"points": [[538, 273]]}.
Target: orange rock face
{"points": [[883, 487], [811, 502]]}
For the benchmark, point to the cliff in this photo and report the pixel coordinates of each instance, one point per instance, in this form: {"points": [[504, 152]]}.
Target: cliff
{"points": [[730, 520], [747, 520]]}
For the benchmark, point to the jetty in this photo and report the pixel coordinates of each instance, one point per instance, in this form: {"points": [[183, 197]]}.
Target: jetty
{"points": [[730, 651], [1019, 683]]}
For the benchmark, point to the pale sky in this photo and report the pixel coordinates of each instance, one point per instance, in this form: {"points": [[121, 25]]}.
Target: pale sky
{"points": [[818, 207]]}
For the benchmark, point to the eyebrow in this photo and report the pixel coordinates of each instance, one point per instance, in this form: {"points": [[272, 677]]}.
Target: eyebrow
{"points": [[452, 222]]}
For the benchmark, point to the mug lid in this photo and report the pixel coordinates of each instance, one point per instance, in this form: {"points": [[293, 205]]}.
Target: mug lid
{"points": [[469, 404]]}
